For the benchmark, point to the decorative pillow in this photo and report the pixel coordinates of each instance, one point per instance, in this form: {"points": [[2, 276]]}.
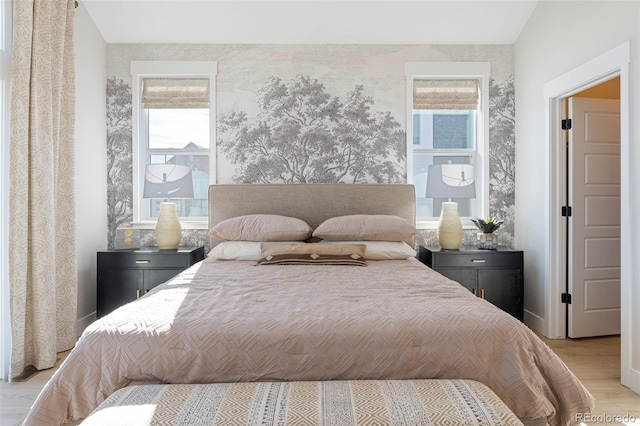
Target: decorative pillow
{"points": [[382, 250], [362, 227], [312, 254], [261, 227]]}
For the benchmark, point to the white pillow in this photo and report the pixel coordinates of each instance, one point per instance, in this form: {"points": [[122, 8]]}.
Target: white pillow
{"points": [[382, 250], [240, 250], [236, 250]]}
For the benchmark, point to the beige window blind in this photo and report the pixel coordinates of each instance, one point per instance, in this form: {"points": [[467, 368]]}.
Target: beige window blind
{"points": [[175, 92], [445, 94]]}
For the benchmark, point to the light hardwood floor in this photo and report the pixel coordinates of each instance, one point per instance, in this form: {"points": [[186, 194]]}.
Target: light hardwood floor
{"points": [[17, 397], [596, 362]]}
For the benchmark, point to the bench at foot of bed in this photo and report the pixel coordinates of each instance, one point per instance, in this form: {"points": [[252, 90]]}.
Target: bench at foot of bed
{"points": [[355, 402]]}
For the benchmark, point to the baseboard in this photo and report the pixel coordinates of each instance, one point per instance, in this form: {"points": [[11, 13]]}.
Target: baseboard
{"points": [[84, 322], [535, 322], [634, 385]]}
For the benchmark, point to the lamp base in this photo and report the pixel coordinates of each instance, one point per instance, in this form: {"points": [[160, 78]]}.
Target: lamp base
{"points": [[450, 226], [168, 229]]}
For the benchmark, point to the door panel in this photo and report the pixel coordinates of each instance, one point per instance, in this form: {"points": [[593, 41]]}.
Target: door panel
{"points": [[602, 211], [600, 296], [601, 253], [594, 228]]}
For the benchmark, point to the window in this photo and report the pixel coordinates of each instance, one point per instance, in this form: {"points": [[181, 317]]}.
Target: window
{"points": [[447, 137], [175, 122]]}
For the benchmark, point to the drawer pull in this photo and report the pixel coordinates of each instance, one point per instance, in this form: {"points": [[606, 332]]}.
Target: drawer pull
{"points": [[142, 261], [477, 260]]}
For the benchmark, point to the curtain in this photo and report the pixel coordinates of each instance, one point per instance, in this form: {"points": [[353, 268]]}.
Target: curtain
{"points": [[445, 94], [42, 256]]}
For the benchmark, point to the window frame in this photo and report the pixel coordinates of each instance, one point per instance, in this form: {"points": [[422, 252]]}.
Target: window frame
{"points": [[454, 70], [166, 69], [6, 36]]}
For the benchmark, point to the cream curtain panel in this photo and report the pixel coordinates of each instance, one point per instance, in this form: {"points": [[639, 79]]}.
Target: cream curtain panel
{"points": [[175, 92], [445, 94], [42, 256]]}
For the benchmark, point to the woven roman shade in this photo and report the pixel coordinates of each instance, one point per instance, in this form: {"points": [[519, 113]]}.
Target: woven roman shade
{"points": [[445, 94], [175, 92]]}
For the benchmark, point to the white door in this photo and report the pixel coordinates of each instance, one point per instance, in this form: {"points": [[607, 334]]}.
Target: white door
{"points": [[594, 227]]}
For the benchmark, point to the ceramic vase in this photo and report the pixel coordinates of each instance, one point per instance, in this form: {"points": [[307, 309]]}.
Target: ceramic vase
{"points": [[168, 229], [450, 226]]}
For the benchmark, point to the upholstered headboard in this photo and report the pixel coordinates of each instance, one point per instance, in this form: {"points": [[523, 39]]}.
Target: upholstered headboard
{"points": [[313, 203]]}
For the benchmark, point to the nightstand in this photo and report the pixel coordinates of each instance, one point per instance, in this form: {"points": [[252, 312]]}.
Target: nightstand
{"points": [[125, 275], [494, 275]]}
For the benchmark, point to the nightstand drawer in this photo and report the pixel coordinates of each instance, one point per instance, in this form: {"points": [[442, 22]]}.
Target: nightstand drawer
{"points": [[138, 260], [477, 259]]}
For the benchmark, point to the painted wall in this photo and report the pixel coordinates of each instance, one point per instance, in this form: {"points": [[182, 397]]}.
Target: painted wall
{"points": [[557, 38], [91, 187], [360, 86]]}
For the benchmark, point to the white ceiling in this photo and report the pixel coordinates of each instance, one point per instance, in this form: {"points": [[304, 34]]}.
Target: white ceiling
{"points": [[310, 21]]}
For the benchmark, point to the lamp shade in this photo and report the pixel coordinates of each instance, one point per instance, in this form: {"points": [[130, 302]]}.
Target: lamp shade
{"points": [[168, 181], [450, 181]]}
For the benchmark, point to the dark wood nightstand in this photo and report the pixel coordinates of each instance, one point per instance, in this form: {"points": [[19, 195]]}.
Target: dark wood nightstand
{"points": [[125, 275], [494, 275]]}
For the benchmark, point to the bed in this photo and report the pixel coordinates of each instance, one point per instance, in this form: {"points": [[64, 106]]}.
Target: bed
{"points": [[230, 321]]}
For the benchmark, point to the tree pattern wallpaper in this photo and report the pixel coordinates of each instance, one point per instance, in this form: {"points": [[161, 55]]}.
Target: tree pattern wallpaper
{"points": [[502, 156], [308, 127], [303, 134], [119, 158]]}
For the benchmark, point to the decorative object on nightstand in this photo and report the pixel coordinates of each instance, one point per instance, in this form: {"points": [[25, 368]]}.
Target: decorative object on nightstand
{"points": [[496, 275], [125, 275], [127, 238], [168, 181], [450, 181], [487, 238]]}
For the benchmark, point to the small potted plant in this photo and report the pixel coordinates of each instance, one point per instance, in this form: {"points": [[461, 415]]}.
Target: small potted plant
{"points": [[487, 239]]}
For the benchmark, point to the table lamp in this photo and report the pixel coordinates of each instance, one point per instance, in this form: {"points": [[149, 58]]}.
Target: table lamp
{"points": [[450, 181], [168, 181]]}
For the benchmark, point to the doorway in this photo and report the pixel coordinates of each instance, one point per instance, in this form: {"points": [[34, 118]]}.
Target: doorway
{"points": [[592, 215], [611, 64]]}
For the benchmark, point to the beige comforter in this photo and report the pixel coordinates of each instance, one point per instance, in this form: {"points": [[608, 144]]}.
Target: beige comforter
{"points": [[236, 322]]}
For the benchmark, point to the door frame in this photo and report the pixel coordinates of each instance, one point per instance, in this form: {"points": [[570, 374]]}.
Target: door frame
{"points": [[609, 65]]}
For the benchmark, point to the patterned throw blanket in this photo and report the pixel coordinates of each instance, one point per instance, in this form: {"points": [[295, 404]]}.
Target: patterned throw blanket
{"points": [[360, 402]]}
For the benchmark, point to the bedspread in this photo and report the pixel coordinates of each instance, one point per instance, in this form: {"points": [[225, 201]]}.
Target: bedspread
{"points": [[239, 322]]}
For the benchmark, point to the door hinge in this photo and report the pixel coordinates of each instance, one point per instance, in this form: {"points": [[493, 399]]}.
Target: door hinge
{"points": [[566, 211], [566, 298], [566, 124]]}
